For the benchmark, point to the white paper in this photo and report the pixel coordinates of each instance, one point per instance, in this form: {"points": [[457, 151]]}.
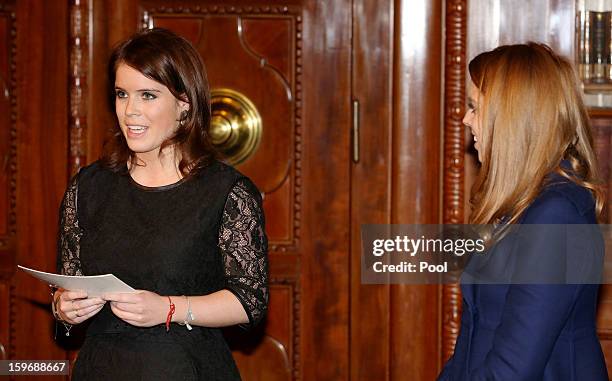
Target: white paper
{"points": [[96, 285]]}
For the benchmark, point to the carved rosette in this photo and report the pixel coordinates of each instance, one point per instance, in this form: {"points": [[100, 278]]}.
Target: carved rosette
{"points": [[78, 70], [454, 149]]}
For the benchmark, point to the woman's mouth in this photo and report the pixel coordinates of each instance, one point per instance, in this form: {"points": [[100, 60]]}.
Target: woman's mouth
{"points": [[135, 130]]}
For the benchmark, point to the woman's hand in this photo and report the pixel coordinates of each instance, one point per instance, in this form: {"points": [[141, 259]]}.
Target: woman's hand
{"points": [[75, 307], [142, 308]]}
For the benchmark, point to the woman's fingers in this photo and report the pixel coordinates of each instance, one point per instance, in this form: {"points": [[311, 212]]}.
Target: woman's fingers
{"points": [[79, 316], [87, 310], [75, 307], [71, 295], [84, 303], [127, 316], [90, 312]]}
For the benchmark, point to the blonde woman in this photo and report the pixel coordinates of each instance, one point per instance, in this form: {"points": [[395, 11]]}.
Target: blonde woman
{"points": [[532, 134]]}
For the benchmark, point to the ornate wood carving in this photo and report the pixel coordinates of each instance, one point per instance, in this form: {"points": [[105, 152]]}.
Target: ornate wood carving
{"points": [[79, 68], [150, 10], [8, 249], [295, 322], [454, 148], [9, 91], [12, 351]]}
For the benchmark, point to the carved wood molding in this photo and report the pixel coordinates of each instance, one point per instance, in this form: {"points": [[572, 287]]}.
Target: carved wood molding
{"points": [[12, 350], [149, 10], [7, 243], [216, 9], [295, 289], [9, 164], [454, 150], [78, 71]]}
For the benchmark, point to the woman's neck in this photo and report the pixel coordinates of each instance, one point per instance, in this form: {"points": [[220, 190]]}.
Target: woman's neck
{"points": [[154, 170]]}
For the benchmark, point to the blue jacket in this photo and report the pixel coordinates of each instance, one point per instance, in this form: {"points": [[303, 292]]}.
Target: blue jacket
{"points": [[518, 332]]}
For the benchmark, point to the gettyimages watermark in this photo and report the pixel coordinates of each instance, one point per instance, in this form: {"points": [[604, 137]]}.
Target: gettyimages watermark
{"points": [[525, 254]]}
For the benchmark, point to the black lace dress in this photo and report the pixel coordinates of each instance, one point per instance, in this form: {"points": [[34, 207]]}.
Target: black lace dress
{"points": [[200, 235]]}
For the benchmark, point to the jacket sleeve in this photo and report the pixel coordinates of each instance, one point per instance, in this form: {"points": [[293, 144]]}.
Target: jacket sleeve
{"points": [[534, 314]]}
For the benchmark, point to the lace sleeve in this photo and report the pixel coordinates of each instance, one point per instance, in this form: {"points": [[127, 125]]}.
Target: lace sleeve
{"points": [[244, 245], [69, 236]]}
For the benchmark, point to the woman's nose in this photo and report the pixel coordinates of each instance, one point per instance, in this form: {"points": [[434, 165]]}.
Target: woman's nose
{"points": [[132, 107], [467, 119]]}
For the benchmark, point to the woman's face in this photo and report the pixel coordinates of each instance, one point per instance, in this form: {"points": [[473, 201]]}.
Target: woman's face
{"points": [[472, 119], [147, 111]]}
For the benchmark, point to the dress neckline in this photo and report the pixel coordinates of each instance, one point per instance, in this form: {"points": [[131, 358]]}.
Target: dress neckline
{"points": [[156, 189], [160, 188]]}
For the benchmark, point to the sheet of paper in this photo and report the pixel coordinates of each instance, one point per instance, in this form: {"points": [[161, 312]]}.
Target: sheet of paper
{"points": [[95, 285]]}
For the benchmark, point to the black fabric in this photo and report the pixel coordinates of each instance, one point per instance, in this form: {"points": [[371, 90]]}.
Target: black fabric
{"points": [[195, 237]]}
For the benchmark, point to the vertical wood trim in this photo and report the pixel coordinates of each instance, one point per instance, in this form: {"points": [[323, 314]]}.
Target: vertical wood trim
{"points": [[372, 86], [8, 243], [78, 79], [454, 149], [416, 177]]}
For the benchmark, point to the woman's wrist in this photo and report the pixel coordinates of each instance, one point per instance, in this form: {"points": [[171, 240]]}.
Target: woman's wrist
{"points": [[55, 295], [55, 309], [180, 308]]}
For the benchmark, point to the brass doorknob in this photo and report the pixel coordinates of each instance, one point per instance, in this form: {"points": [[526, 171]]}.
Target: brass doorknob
{"points": [[235, 125]]}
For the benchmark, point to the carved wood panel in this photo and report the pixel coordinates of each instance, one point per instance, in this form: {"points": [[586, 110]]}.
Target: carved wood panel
{"points": [[8, 137], [8, 170], [261, 47], [454, 152], [255, 52], [261, 50]]}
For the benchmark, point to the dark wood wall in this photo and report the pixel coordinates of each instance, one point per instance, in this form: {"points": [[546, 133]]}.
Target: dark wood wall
{"points": [[316, 70], [33, 121], [305, 64]]}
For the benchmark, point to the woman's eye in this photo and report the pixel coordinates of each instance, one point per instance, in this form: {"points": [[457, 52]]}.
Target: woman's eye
{"points": [[120, 94], [148, 96], [471, 107]]}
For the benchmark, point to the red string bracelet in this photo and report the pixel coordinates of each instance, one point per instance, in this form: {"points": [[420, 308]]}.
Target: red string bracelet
{"points": [[170, 313]]}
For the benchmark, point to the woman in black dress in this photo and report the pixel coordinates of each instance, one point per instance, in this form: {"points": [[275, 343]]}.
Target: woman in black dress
{"points": [[162, 214]]}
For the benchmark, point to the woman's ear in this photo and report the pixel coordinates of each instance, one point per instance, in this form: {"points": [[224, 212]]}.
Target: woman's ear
{"points": [[184, 105]]}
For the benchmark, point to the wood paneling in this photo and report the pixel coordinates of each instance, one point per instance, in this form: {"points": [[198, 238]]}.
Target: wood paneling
{"points": [[416, 177], [498, 22], [371, 181], [8, 139], [454, 154], [7, 118], [8, 169], [325, 224], [302, 63], [294, 64], [42, 135]]}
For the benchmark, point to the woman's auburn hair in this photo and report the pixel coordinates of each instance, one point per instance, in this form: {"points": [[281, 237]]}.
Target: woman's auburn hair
{"points": [[172, 61], [532, 117]]}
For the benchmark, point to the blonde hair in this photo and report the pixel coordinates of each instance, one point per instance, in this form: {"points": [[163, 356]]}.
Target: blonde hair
{"points": [[532, 117]]}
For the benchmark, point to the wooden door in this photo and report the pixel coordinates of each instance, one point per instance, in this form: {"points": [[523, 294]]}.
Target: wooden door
{"points": [[292, 60]]}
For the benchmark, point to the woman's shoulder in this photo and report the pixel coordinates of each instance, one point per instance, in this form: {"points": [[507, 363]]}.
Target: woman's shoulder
{"points": [[222, 171], [92, 172], [562, 201], [227, 182]]}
